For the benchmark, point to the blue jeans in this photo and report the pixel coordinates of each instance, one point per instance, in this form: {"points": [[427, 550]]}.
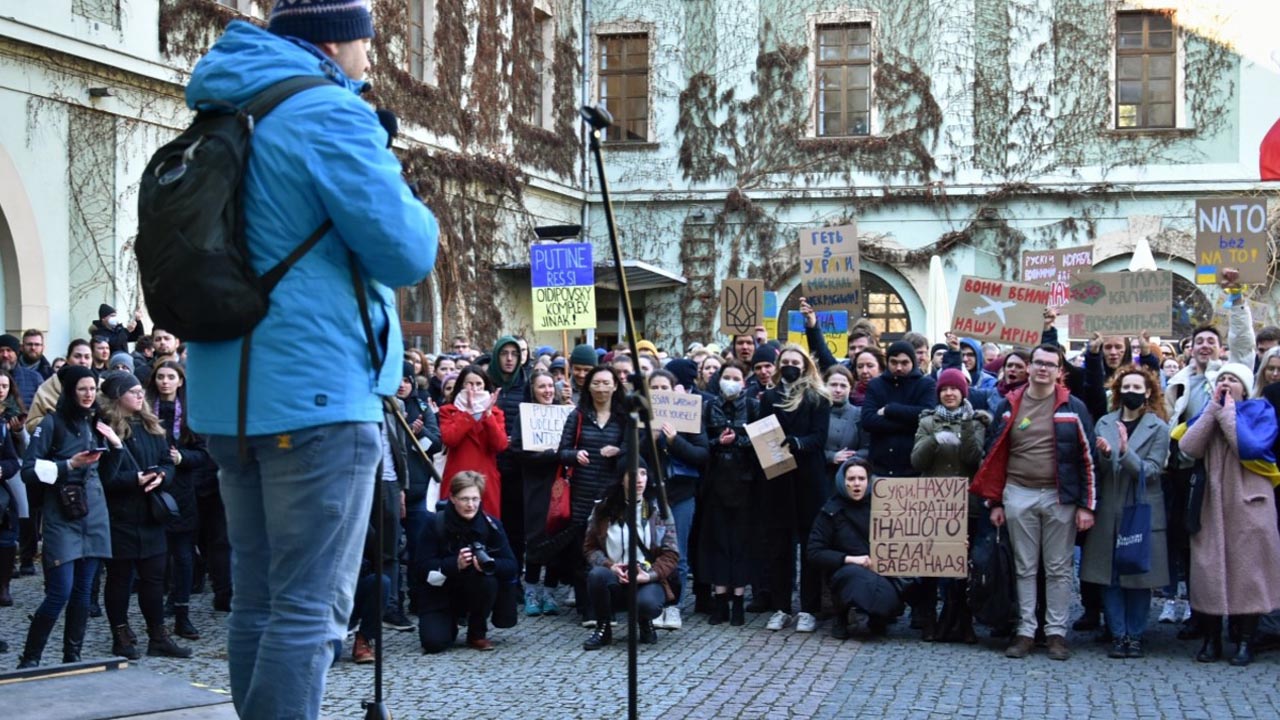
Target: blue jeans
{"points": [[297, 512], [683, 512], [68, 582], [1126, 610]]}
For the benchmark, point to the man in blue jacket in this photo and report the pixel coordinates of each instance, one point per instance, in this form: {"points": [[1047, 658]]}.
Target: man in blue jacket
{"points": [[298, 499]]}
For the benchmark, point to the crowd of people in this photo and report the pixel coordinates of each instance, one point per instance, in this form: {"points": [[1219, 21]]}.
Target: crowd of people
{"points": [[107, 486]]}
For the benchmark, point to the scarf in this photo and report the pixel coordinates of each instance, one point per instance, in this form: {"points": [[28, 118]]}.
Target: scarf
{"points": [[964, 412], [1256, 431], [177, 415], [1004, 388], [859, 393]]}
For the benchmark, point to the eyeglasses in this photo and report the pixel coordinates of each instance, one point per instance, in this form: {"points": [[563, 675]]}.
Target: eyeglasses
{"points": [[137, 392], [1044, 365], [468, 500]]}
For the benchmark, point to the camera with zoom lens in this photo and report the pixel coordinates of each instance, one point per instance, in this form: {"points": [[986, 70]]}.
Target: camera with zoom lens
{"points": [[483, 558]]}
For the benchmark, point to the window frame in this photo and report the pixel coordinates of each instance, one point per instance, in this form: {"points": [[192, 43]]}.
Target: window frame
{"points": [[612, 32], [421, 65], [846, 65], [1177, 54], [870, 19], [544, 34]]}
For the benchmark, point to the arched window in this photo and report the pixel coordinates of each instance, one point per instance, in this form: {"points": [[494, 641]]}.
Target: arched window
{"points": [[1191, 308], [881, 304]]}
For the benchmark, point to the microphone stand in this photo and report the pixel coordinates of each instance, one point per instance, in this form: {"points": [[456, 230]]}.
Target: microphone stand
{"points": [[638, 408]]}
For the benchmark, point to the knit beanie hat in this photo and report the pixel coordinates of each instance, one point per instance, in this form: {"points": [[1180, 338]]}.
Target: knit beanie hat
{"points": [[70, 375], [583, 355], [953, 378], [1237, 370], [902, 347], [121, 358], [764, 354], [105, 310], [320, 21], [685, 370], [116, 384], [936, 348], [11, 342], [407, 372]]}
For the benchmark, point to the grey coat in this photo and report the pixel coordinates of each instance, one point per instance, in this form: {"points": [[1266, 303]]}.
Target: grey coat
{"points": [[1117, 483], [68, 540], [845, 431]]}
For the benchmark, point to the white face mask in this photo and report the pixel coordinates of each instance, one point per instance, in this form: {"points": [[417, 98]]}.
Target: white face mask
{"points": [[113, 321], [730, 388]]}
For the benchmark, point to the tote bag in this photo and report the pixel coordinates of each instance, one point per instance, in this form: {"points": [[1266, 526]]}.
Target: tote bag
{"points": [[1133, 536]]}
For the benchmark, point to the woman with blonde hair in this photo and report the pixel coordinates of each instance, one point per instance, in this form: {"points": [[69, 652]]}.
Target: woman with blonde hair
{"points": [[802, 405], [136, 464]]}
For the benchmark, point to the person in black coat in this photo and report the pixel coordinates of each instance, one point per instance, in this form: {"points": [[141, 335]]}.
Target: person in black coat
{"points": [[136, 463], [891, 411], [166, 395], [511, 381], [592, 444], [453, 576], [117, 334], [840, 547], [792, 500], [421, 417]]}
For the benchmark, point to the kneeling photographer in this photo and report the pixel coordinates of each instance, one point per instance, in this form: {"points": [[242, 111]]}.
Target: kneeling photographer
{"points": [[464, 569]]}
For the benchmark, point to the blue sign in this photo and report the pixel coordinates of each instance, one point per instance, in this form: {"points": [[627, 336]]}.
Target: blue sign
{"points": [[561, 265]]}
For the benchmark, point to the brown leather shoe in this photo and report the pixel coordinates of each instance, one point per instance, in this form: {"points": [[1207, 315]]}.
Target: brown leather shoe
{"points": [[1058, 648], [480, 644], [362, 651], [1020, 648]]}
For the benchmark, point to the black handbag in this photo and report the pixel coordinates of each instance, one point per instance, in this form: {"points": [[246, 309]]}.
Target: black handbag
{"points": [[72, 500], [163, 508]]}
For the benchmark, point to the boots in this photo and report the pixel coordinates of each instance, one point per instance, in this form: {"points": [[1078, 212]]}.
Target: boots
{"points": [[73, 632], [37, 636], [1247, 627], [123, 643], [161, 645], [737, 614], [6, 574], [1211, 631], [182, 626], [719, 609], [601, 636]]}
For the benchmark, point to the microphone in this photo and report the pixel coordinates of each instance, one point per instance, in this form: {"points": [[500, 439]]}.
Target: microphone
{"points": [[390, 123]]}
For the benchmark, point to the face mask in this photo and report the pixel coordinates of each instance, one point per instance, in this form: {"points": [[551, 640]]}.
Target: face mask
{"points": [[1133, 400], [730, 388], [790, 373], [113, 322]]}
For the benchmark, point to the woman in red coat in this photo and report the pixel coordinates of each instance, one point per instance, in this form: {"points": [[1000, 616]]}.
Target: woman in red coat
{"points": [[473, 430]]}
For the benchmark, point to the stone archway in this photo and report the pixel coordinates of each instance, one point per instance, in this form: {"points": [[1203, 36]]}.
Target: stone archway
{"points": [[26, 298]]}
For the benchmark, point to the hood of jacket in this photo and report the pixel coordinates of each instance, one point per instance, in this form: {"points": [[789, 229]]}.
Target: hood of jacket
{"points": [[499, 378], [842, 493]]}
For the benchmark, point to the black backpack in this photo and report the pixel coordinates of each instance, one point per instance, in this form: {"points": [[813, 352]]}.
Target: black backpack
{"points": [[993, 594], [191, 249]]}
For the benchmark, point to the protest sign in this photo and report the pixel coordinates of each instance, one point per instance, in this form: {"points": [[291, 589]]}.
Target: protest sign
{"points": [[827, 242], [564, 291], [1056, 268], [542, 425], [919, 526], [834, 327], [742, 305], [833, 283], [766, 439], [1123, 303], [1000, 311], [682, 410], [1231, 232], [771, 314]]}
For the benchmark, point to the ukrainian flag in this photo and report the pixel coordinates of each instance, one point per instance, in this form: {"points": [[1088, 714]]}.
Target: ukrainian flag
{"points": [[1206, 274]]}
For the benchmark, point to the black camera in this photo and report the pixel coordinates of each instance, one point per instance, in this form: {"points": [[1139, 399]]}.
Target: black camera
{"points": [[483, 558]]}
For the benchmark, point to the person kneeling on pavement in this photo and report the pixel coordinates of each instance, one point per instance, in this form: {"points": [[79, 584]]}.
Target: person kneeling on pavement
{"points": [[605, 546], [840, 548], [463, 561]]}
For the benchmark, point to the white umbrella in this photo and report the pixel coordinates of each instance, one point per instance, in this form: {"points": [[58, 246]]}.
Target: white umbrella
{"points": [[937, 306], [1142, 258]]}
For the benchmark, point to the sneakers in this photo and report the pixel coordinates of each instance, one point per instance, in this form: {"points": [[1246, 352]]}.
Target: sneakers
{"points": [[779, 620], [1185, 607], [1058, 648], [362, 650], [806, 623], [1169, 613], [1020, 648], [396, 620], [549, 606], [533, 601], [669, 619]]}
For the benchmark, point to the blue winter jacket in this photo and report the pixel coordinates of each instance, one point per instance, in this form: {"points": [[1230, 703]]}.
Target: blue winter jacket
{"points": [[320, 154]]}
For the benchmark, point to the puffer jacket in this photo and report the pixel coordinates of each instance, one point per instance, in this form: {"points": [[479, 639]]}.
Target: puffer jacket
{"points": [[321, 154], [935, 455]]}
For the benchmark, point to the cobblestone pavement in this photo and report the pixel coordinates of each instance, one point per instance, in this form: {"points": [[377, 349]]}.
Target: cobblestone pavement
{"points": [[700, 671]]}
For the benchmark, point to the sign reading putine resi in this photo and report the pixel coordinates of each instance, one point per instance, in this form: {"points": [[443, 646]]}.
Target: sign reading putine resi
{"points": [[1000, 311], [564, 286], [919, 526]]}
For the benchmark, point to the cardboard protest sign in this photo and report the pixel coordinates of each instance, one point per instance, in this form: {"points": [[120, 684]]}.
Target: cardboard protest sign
{"points": [[682, 410], [1056, 268], [1231, 232], [742, 305], [771, 314], [766, 439], [833, 283], [1000, 311], [1123, 303], [919, 526], [541, 425], [834, 327], [564, 291], [827, 242]]}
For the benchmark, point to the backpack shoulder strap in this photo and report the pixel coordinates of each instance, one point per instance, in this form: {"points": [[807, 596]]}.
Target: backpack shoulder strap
{"points": [[267, 100]]}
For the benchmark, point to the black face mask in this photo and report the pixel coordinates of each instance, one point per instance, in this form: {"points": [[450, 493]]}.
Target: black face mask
{"points": [[1133, 400], [790, 373]]}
